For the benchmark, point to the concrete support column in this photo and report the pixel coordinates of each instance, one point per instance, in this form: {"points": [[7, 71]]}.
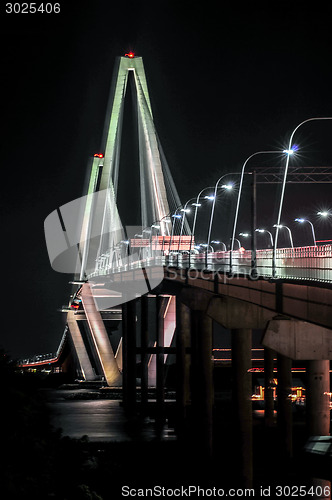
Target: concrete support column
{"points": [[317, 398], [268, 383], [160, 361], [242, 403], [317, 408], [183, 325], [284, 405], [202, 380], [129, 356], [144, 354]]}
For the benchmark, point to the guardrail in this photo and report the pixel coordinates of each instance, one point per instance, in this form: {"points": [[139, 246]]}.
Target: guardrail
{"points": [[307, 263]]}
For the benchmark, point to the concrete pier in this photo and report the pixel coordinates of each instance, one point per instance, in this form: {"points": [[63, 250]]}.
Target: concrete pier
{"points": [[284, 405], [242, 404], [183, 327], [129, 356], [317, 398]]}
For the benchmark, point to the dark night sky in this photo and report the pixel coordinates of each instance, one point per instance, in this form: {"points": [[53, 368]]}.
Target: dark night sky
{"points": [[225, 81]]}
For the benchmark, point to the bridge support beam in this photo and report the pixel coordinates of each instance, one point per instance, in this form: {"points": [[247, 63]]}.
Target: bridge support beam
{"points": [[298, 339], [234, 313], [242, 404]]}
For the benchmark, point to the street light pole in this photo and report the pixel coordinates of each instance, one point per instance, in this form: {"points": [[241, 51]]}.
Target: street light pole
{"points": [[280, 226], [185, 210], [238, 242], [224, 186], [312, 228], [266, 231], [238, 201], [175, 216], [217, 242], [285, 178], [253, 226], [274, 252], [214, 202], [197, 204]]}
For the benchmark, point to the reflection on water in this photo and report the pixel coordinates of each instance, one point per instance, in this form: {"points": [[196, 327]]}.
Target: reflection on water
{"points": [[100, 420]]}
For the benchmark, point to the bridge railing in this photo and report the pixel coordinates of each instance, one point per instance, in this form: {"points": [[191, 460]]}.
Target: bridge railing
{"points": [[309, 262]]}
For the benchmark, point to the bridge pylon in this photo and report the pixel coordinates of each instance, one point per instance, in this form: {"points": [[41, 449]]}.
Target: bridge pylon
{"points": [[101, 230]]}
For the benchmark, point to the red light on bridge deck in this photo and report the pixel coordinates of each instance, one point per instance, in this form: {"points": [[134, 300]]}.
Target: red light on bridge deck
{"points": [[130, 54], [99, 155]]}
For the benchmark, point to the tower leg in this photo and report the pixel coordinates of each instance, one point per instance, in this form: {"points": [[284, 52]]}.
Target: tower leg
{"points": [[100, 338], [85, 367]]}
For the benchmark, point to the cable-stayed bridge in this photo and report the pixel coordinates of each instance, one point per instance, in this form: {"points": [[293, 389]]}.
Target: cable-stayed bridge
{"points": [[166, 293], [89, 232]]}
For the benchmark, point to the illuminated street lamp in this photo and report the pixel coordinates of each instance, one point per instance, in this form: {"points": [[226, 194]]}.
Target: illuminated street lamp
{"points": [[207, 246], [238, 242], [312, 228], [196, 205], [158, 225], [174, 216], [145, 252], [185, 211], [324, 213], [154, 226], [238, 200], [280, 226], [266, 231], [226, 187], [290, 148], [217, 242]]}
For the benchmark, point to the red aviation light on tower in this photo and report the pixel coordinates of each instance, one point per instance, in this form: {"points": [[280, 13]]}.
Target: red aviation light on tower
{"points": [[130, 54], [98, 155]]}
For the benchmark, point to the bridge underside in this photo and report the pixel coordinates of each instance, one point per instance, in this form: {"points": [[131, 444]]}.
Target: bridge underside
{"points": [[286, 312], [97, 335]]}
